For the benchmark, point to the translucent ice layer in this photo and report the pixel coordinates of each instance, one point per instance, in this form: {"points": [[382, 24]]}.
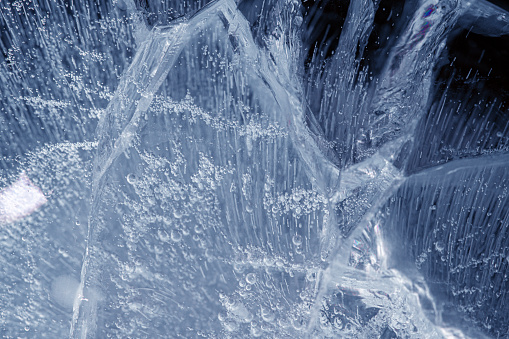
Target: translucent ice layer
{"points": [[235, 169]]}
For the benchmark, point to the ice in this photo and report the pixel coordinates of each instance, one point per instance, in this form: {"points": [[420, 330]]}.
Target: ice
{"points": [[238, 169], [63, 291], [19, 200]]}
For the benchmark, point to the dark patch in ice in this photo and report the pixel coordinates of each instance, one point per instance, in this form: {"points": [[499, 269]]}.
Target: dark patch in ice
{"points": [[323, 22], [469, 104]]}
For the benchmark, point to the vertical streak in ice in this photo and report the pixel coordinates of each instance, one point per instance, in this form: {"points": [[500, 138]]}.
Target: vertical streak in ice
{"points": [[118, 127], [119, 124], [274, 76], [149, 68], [400, 100]]}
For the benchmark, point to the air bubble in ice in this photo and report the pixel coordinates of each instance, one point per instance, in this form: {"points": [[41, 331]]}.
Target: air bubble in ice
{"points": [[255, 330], [176, 235], [298, 323], [131, 178], [222, 316], [439, 245], [251, 278], [163, 235], [297, 240], [267, 314], [238, 267]]}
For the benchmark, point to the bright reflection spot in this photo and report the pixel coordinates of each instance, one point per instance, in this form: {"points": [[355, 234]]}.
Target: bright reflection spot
{"points": [[20, 199]]}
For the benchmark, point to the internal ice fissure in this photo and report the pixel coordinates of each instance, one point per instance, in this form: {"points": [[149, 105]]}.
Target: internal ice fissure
{"points": [[156, 56], [150, 66]]}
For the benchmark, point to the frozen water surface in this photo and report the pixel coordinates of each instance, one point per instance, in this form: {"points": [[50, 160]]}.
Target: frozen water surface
{"points": [[238, 169]]}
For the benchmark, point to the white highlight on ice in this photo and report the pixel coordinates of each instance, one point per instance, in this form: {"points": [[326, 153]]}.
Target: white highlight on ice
{"points": [[19, 200]]}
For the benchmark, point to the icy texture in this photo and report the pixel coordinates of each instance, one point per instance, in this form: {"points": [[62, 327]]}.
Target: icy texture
{"points": [[192, 174], [19, 200]]}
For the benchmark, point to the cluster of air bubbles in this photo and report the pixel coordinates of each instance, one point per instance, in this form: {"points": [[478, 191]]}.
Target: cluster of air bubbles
{"points": [[189, 110], [299, 202]]}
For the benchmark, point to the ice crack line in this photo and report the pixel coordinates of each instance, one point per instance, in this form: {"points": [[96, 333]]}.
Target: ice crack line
{"points": [[136, 90]]}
